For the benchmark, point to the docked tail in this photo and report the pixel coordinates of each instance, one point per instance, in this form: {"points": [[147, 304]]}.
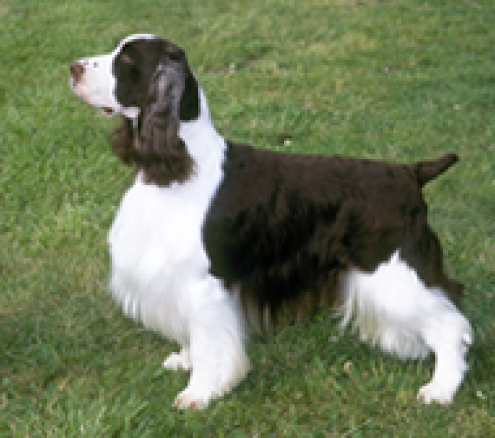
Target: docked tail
{"points": [[427, 170]]}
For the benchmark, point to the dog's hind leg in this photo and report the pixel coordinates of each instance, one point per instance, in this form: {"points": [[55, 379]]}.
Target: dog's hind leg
{"points": [[391, 307], [448, 334]]}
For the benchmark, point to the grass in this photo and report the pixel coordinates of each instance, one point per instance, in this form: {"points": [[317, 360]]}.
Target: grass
{"points": [[398, 80]]}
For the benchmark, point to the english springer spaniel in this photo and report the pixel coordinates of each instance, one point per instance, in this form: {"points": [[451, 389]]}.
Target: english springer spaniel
{"points": [[216, 240]]}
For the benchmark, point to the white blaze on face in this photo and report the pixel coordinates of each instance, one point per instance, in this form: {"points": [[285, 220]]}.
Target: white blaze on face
{"points": [[97, 83]]}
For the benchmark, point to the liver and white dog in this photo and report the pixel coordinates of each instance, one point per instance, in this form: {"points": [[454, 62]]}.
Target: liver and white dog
{"points": [[215, 240]]}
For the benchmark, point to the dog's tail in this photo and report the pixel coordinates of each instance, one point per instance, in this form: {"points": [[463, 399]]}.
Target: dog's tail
{"points": [[427, 170]]}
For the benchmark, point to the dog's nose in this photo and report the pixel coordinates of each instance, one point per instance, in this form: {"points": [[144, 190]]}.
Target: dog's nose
{"points": [[77, 70]]}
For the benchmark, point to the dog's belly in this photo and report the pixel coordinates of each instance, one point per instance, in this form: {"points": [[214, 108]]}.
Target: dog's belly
{"points": [[156, 255]]}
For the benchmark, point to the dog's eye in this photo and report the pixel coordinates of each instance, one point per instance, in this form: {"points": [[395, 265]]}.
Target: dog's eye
{"points": [[127, 59]]}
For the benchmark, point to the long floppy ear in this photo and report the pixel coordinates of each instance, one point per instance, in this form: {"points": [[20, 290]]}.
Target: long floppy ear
{"points": [[122, 141], [162, 154]]}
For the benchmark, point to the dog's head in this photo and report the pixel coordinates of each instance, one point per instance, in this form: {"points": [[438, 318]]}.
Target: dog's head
{"points": [[125, 80], [148, 80]]}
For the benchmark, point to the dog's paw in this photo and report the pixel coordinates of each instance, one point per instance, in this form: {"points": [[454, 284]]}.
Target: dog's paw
{"points": [[190, 399], [176, 361], [435, 392]]}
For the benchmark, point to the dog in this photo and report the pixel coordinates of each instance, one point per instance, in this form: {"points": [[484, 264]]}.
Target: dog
{"points": [[217, 240]]}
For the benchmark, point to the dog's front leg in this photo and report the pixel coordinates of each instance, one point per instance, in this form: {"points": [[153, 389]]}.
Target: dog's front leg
{"points": [[178, 361], [216, 345]]}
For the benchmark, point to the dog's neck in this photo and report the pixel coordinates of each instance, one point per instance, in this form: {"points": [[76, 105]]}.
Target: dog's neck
{"points": [[203, 142], [203, 122]]}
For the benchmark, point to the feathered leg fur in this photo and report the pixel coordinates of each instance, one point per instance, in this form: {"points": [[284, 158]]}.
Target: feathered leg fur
{"points": [[392, 308]]}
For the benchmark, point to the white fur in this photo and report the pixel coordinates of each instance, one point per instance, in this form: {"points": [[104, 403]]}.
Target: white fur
{"points": [[392, 308], [97, 86], [160, 272]]}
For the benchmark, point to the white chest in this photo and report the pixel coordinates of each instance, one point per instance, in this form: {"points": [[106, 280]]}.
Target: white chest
{"points": [[152, 219], [158, 262], [156, 253]]}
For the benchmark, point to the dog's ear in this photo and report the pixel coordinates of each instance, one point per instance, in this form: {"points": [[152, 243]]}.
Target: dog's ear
{"points": [[163, 155], [122, 141]]}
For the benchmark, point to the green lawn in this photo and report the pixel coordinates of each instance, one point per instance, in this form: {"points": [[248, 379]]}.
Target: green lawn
{"points": [[398, 80]]}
